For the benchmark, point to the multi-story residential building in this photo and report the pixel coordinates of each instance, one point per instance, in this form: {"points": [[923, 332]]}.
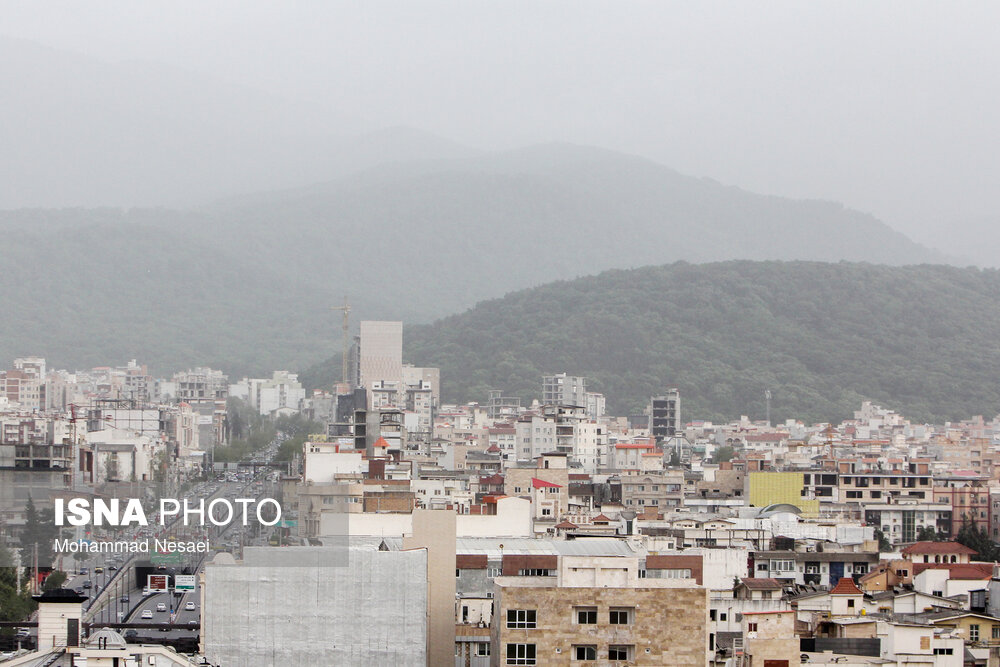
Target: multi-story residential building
{"points": [[663, 490], [665, 415], [821, 568], [282, 393], [562, 389], [504, 438], [201, 384], [378, 353], [901, 522], [599, 609], [862, 488], [546, 483], [969, 499]]}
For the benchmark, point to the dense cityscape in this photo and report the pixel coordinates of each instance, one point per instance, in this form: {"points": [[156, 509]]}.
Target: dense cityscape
{"points": [[501, 531]]}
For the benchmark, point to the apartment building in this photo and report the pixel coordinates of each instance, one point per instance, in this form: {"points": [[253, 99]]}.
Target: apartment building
{"points": [[599, 609]]}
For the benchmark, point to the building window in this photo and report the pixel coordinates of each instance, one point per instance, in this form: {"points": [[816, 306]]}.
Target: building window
{"points": [[521, 654], [677, 573], [850, 604], [535, 572], [586, 615], [493, 572], [944, 651], [620, 652], [585, 653], [483, 648], [974, 632], [521, 618], [996, 632], [621, 615], [751, 627]]}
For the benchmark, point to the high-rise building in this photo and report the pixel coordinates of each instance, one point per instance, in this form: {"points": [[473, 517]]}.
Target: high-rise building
{"points": [[665, 415], [378, 353]]}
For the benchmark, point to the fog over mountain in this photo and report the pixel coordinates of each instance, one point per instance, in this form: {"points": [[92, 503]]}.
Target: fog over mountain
{"points": [[409, 239], [885, 107]]}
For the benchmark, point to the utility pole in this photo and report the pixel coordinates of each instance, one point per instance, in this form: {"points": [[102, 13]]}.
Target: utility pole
{"points": [[767, 398], [344, 370]]}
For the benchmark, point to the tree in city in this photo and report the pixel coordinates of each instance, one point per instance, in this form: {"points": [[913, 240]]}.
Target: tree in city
{"points": [[977, 539], [40, 531], [723, 454], [928, 534], [54, 581], [883, 541], [15, 602]]}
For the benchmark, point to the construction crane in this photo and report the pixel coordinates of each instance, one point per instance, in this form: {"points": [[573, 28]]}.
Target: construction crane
{"points": [[346, 308]]}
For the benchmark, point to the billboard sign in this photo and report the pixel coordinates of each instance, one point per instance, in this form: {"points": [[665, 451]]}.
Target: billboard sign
{"points": [[158, 583], [184, 583]]}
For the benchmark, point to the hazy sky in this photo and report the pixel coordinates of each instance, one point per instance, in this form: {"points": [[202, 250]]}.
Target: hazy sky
{"points": [[889, 107]]}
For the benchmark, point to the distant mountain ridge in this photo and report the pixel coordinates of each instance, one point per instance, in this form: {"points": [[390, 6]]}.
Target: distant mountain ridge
{"points": [[822, 337], [417, 228]]}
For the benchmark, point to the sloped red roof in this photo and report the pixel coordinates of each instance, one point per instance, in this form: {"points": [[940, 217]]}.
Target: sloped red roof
{"points": [[492, 480], [960, 571], [846, 586], [542, 484], [600, 518], [493, 449], [937, 548], [381, 442], [566, 525]]}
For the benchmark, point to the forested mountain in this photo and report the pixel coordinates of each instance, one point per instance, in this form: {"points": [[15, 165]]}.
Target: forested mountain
{"points": [[245, 284], [821, 337]]}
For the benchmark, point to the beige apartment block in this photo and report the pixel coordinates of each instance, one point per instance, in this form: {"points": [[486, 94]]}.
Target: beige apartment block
{"points": [[579, 618]]}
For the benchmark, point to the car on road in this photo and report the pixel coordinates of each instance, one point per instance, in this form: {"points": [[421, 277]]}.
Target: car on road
{"points": [[146, 591], [131, 633], [165, 627], [161, 606], [98, 570], [112, 567], [189, 606], [88, 584], [84, 570], [124, 599], [147, 613]]}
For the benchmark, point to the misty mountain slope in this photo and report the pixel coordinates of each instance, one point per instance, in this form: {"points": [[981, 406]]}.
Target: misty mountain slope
{"points": [[821, 337], [105, 293], [411, 240]]}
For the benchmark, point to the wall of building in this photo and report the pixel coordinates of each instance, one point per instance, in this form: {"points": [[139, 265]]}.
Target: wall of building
{"points": [[372, 610], [670, 625]]}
